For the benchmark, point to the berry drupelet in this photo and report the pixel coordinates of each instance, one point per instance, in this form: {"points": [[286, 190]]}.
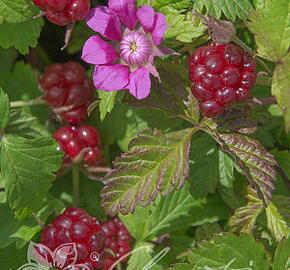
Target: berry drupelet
{"points": [[72, 140], [220, 75], [74, 226], [63, 12], [66, 85]]}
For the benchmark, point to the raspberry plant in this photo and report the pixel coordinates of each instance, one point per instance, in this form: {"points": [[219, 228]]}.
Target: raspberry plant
{"points": [[158, 139]]}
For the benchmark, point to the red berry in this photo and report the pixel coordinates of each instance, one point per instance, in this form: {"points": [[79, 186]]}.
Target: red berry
{"points": [[56, 5], [58, 18], [93, 157], [69, 229], [74, 146], [64, 134], [66, 85], [40, 3], [78, 9], [221, 75], [89, 135], [211, 108]]}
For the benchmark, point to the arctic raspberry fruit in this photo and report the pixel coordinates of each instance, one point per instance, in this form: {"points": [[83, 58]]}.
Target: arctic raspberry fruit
{"points": [[220, 75], [66, 85], [63, 12], [75, 226], [72, 140], [118, 240]]}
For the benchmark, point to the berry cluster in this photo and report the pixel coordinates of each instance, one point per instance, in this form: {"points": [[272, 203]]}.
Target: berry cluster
{"points": [[76, 226], [118, 240], [72, 140], [66, 86], [220, 75], [63, 12]]}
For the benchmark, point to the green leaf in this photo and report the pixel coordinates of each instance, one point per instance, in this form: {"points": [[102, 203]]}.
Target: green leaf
{"points": [[271, 28], [207, 231], [5, 109], [281, 86], [107, 102], [230, 252], [156, 163], [282, 258], [7, 58], [184, 30], [276, 223], [16, 11], [203, 177], [170, 6], [21, 36], [27, 166], [18, 259], [244, 218], [282, 204], [176, 206], [230, 8], [254, 158], [182, 266]]}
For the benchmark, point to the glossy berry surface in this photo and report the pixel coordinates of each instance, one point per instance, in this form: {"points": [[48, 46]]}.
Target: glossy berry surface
{"points": [[75, 226], [63, 12], [118, 240], [220, 75], [66, 85], [72, 140]]}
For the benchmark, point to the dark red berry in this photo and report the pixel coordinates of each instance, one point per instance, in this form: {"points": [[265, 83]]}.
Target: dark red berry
{"points": [[58, 18], [221, 75], [40, 3], [56, 5], [89, 135], [66, 85], [68, 228], [211, 108], [78, 9]]}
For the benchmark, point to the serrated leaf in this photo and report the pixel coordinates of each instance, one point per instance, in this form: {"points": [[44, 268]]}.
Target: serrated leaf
{"points": [[244, 218], [176, 206], [203, 178], [276, 223], [281, 86], [282, 258], [271, 28], [170, 6], [27, 166], [230, 8], [184, 30], [156, 163], [229, 252], [259, 163], [21, 36], [107, 102], [5, 109], [282, 204], [182, 266], [16, 11]]}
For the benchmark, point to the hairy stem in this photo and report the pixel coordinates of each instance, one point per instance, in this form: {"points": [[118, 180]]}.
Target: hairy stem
{"points": [[76, 184], [263, 101], [283, 176], [39, 221], [23, 103], [251, 52]]}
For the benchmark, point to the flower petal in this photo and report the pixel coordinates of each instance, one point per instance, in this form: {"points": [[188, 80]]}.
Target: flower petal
{"points": [[97, 51], [106, 22], [146, 16], [160, 27], [111, 77], [126, 10], [140, 83]]}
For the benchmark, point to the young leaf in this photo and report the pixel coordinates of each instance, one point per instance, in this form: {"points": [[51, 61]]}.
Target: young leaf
{"points": [[259, 163], [204, 171], [229, 252], [21, 36], [276, 223], [230, 8], [281, 86], [174, 207], [27, 167], [107, 102], [281, 258], [156, 163], [5, 109], [271, 29], [16, 11], [244, 218], [170, 6]]}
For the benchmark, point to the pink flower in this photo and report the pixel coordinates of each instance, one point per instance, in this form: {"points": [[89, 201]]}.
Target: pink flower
{"points": [[128, 62]]}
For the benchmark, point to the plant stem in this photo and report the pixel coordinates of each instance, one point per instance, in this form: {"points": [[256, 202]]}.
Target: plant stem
{"points": [[39, 221], [263, 101], [76, 184], [23, 103], [251, 52]]}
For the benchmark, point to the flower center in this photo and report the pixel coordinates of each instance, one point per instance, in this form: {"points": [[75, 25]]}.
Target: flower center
{"points": [[135, 49]]}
